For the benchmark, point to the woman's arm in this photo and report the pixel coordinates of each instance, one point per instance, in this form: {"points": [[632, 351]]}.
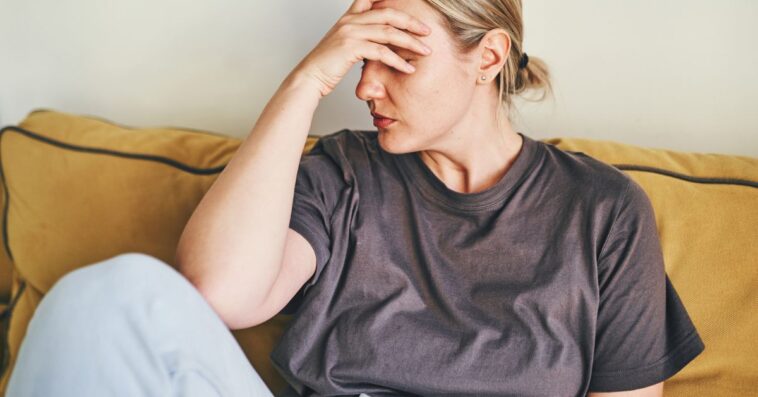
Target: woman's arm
{"points": [[232, 246]]}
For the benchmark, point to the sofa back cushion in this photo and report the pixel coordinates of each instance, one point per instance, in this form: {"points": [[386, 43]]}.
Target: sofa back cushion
{"points": [[5, 261], [6, 281]]}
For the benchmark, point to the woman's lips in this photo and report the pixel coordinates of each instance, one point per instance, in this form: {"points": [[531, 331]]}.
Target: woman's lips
{"points": [[382, 122]]}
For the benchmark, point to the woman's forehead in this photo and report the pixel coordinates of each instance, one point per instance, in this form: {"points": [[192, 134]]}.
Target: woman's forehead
{"points": [[419, 10], [415, 8]]}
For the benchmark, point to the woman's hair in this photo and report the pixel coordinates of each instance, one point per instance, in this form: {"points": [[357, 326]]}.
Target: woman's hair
{"points": [[469, 20]]}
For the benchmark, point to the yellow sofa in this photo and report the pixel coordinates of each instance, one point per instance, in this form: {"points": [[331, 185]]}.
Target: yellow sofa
{"points": [[78, 189]]}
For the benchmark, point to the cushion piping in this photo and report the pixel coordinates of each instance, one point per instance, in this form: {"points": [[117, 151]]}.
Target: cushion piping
{"points": [[688, 178], [152, 157], [5, 321]]}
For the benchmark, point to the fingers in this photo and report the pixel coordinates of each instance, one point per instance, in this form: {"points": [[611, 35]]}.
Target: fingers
{"points": [[389, 35], [388, 26], [394, 17], [378, 52], [359, 6]]}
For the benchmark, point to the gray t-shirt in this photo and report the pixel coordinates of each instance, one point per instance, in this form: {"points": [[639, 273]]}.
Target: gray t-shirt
{"points": [[549, 283]]}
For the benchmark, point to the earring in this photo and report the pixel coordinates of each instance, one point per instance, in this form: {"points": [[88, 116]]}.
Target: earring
{"points": [[483, 78]]}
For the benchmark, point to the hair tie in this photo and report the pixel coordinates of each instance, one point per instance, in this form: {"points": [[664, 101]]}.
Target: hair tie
{"points": [[523, 61]]}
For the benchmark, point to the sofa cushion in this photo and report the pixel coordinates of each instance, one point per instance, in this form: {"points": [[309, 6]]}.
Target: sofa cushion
{"points": [[3, 335], [706, 208], [5, 286], [83, 189], [5, 264]]}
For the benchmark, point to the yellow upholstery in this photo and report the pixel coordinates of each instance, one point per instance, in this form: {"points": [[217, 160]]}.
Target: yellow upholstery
{"points": [[5, 265], [5, 262], [82, 189], [3, 328], [5, 284]]}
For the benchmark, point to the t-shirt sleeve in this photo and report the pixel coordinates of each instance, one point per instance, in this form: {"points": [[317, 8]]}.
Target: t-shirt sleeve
{"points": [[317, 189], [644, 334]]}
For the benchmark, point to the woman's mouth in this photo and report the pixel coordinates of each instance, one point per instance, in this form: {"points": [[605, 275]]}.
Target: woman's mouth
{"points": [[382, 122]]}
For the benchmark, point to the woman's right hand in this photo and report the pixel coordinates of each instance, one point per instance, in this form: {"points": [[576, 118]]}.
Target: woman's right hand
{"points": [[361, 34]]}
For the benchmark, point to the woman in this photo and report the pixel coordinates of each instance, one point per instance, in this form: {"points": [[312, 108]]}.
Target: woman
{"points": [[443, 254]]}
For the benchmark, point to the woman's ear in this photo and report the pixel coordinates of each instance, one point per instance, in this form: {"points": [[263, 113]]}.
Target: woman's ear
{"points": [[494, 49]]}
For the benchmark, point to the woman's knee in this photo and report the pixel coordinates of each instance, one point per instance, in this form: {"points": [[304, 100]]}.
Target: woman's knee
{"points": [[124, 273]]}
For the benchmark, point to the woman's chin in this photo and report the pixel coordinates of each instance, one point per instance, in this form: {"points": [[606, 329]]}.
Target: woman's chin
{"points": [[391, 143], [386, 142]]}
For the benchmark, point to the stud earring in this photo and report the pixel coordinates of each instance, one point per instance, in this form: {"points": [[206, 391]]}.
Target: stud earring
{"points": [[484, 77]]}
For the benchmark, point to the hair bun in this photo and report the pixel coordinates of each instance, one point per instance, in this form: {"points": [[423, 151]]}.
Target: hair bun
{"points": [[523, 61]]}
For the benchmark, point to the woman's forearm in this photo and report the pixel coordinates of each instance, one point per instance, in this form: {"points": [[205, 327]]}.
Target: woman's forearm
{"points": [[232, 246]]}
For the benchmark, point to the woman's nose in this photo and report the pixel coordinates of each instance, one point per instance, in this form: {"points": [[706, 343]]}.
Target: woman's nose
{"points": [[371, 84]]}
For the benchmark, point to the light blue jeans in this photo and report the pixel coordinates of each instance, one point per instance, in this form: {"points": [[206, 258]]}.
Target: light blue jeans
{"points": [[130, 326]]}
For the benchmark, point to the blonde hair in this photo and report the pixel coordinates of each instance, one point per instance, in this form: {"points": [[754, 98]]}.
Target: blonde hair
{"points": [[469, 20]]}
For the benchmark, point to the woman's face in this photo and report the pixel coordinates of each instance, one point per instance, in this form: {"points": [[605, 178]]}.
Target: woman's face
{"points": [[427, 103]]}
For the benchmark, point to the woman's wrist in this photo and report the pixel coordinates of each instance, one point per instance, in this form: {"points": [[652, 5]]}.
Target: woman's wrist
{"points": [[299, 81]]}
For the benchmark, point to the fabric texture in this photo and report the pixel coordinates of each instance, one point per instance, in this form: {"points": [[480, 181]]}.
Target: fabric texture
{"points": [[554, 273]]}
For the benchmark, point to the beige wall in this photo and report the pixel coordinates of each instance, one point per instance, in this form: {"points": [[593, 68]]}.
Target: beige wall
{"points": [[676, 74]]}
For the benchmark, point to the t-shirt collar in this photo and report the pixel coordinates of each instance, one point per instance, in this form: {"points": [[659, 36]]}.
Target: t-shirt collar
{"points": [[492, 197]]}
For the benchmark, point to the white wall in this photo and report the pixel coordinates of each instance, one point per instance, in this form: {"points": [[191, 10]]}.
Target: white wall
{"points": [[677, 74]]}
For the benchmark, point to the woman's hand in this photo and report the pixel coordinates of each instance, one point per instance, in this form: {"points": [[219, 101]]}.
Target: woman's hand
{"points": [[361, 33]]}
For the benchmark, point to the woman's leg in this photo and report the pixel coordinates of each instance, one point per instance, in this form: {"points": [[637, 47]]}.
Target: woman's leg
{"points": [[130, 326]]}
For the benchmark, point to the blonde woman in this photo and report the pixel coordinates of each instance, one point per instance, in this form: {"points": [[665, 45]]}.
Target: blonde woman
{"points": [[442, 254]]}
